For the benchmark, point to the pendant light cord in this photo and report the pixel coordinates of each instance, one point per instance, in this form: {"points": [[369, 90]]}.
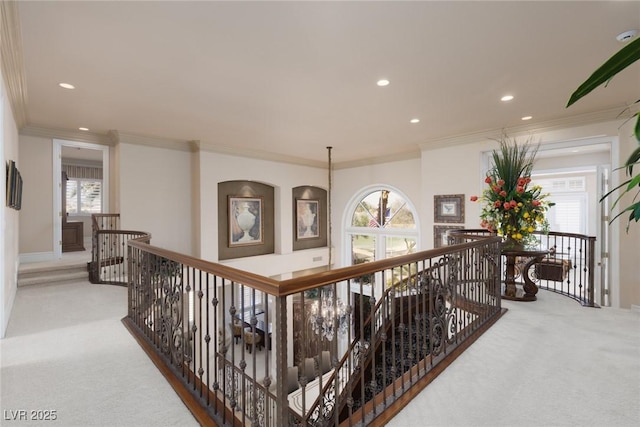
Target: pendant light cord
{"points": [[329, 206]]}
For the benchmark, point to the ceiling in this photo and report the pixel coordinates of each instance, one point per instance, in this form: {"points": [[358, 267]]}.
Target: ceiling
{"points": [[291, 78]]}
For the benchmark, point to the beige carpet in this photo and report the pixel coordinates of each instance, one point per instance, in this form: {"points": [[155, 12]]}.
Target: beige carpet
{"points": [[545, 363], [67, 351]]}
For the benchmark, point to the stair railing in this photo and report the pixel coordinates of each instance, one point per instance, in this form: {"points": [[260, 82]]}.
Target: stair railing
{"points": [[182, 311], [108, 263], [569, 269]]}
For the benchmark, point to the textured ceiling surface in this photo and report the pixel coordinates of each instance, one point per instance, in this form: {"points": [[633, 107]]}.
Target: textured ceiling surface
{"points": [[291, 78]]}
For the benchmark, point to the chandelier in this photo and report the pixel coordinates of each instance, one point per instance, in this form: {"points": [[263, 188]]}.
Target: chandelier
{"points": [[329, 315]]}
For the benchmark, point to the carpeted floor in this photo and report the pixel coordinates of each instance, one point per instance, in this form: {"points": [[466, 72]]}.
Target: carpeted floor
{"points": [[66, 350], [545, 363]]}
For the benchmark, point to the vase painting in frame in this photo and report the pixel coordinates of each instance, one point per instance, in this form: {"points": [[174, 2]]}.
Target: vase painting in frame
{"points": [[245, 221], [307, 219]]}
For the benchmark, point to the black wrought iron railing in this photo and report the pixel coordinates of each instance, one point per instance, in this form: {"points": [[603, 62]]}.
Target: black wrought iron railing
{"points": [[340, 347], [108, 263], [568, 269]]}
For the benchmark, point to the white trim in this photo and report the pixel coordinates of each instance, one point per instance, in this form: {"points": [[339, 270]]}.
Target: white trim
{"points": [[57, 185], [614, 233], [348, 230], [13, 70], [37, 257], [67, 135], [57, 201], [611, 114], [603, 282]]}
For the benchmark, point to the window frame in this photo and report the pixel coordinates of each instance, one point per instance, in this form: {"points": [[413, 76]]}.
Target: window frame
{"points": [[380, 234], [78, 182]]}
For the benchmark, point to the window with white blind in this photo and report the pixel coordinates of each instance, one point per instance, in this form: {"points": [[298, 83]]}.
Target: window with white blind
{"points": [[250, 300], [569, 214], [84, 196]]}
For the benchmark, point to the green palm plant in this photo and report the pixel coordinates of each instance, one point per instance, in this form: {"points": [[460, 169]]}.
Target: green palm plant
{"points": [[618, 62]]}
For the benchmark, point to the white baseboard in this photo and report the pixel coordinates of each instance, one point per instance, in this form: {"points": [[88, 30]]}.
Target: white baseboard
{"points": [[635, 308], [36, 257]]}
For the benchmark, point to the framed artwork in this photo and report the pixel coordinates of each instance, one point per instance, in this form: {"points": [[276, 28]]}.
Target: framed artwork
{"points": [[11, 166], [18, 196], [13, 186], [234, 198], [440, 234], [307, 219], [245, 221], [449, 208]]}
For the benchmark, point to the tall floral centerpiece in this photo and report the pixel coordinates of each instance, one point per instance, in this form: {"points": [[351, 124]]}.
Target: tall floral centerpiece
{"points": [[511, 207]]}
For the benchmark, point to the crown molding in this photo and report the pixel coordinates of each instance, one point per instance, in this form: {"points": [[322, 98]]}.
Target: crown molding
{"points": [[397, 157], [260, 155], [608, 115], [12, 61], [149, 141], [66, 134]]}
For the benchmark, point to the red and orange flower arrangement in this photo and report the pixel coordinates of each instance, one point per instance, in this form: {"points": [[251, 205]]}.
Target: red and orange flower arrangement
{"points": [[511, 207]]}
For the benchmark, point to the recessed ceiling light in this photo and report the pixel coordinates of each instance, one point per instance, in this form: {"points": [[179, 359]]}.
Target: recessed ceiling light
{"points": [[84, 129], [383, 82], [66, 85], [415, 120], [527, 118], [626, 36], [506, 98]]}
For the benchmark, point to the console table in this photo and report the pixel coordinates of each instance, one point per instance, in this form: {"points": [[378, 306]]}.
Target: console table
{"points": [[529, 289]]}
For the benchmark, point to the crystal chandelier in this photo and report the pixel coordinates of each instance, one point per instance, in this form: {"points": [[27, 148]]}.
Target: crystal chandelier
{"points": [[329, 315]]}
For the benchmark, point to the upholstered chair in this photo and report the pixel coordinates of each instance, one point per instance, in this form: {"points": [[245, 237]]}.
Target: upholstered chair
{"points": [[309, 369], [236, 327], [325, 362], [292, 379], [251, 340]]}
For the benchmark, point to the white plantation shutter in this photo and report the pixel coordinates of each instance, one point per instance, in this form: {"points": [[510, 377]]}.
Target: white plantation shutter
{"points": [[568, 215], [249, 301], [90, 197], [84, 196], [72, 196]]}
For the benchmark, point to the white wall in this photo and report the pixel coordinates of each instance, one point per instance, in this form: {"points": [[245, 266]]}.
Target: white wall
{"points": [[458, 169], [36, 228], [156, 193], [216, 167], [10, 218]]}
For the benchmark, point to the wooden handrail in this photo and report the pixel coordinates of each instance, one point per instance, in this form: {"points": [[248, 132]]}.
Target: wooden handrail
{"points": [[262, 283], [281, 288], [194, 299]]}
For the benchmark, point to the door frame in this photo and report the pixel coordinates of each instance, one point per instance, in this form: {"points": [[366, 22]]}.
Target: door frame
{"points": [[57, 185]]}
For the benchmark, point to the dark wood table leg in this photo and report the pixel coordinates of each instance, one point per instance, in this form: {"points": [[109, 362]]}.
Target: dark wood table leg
{"points": [[529, 289], [510, 277]]}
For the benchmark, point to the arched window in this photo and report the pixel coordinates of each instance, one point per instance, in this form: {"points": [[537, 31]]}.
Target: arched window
{"points": [[382, 224]]}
